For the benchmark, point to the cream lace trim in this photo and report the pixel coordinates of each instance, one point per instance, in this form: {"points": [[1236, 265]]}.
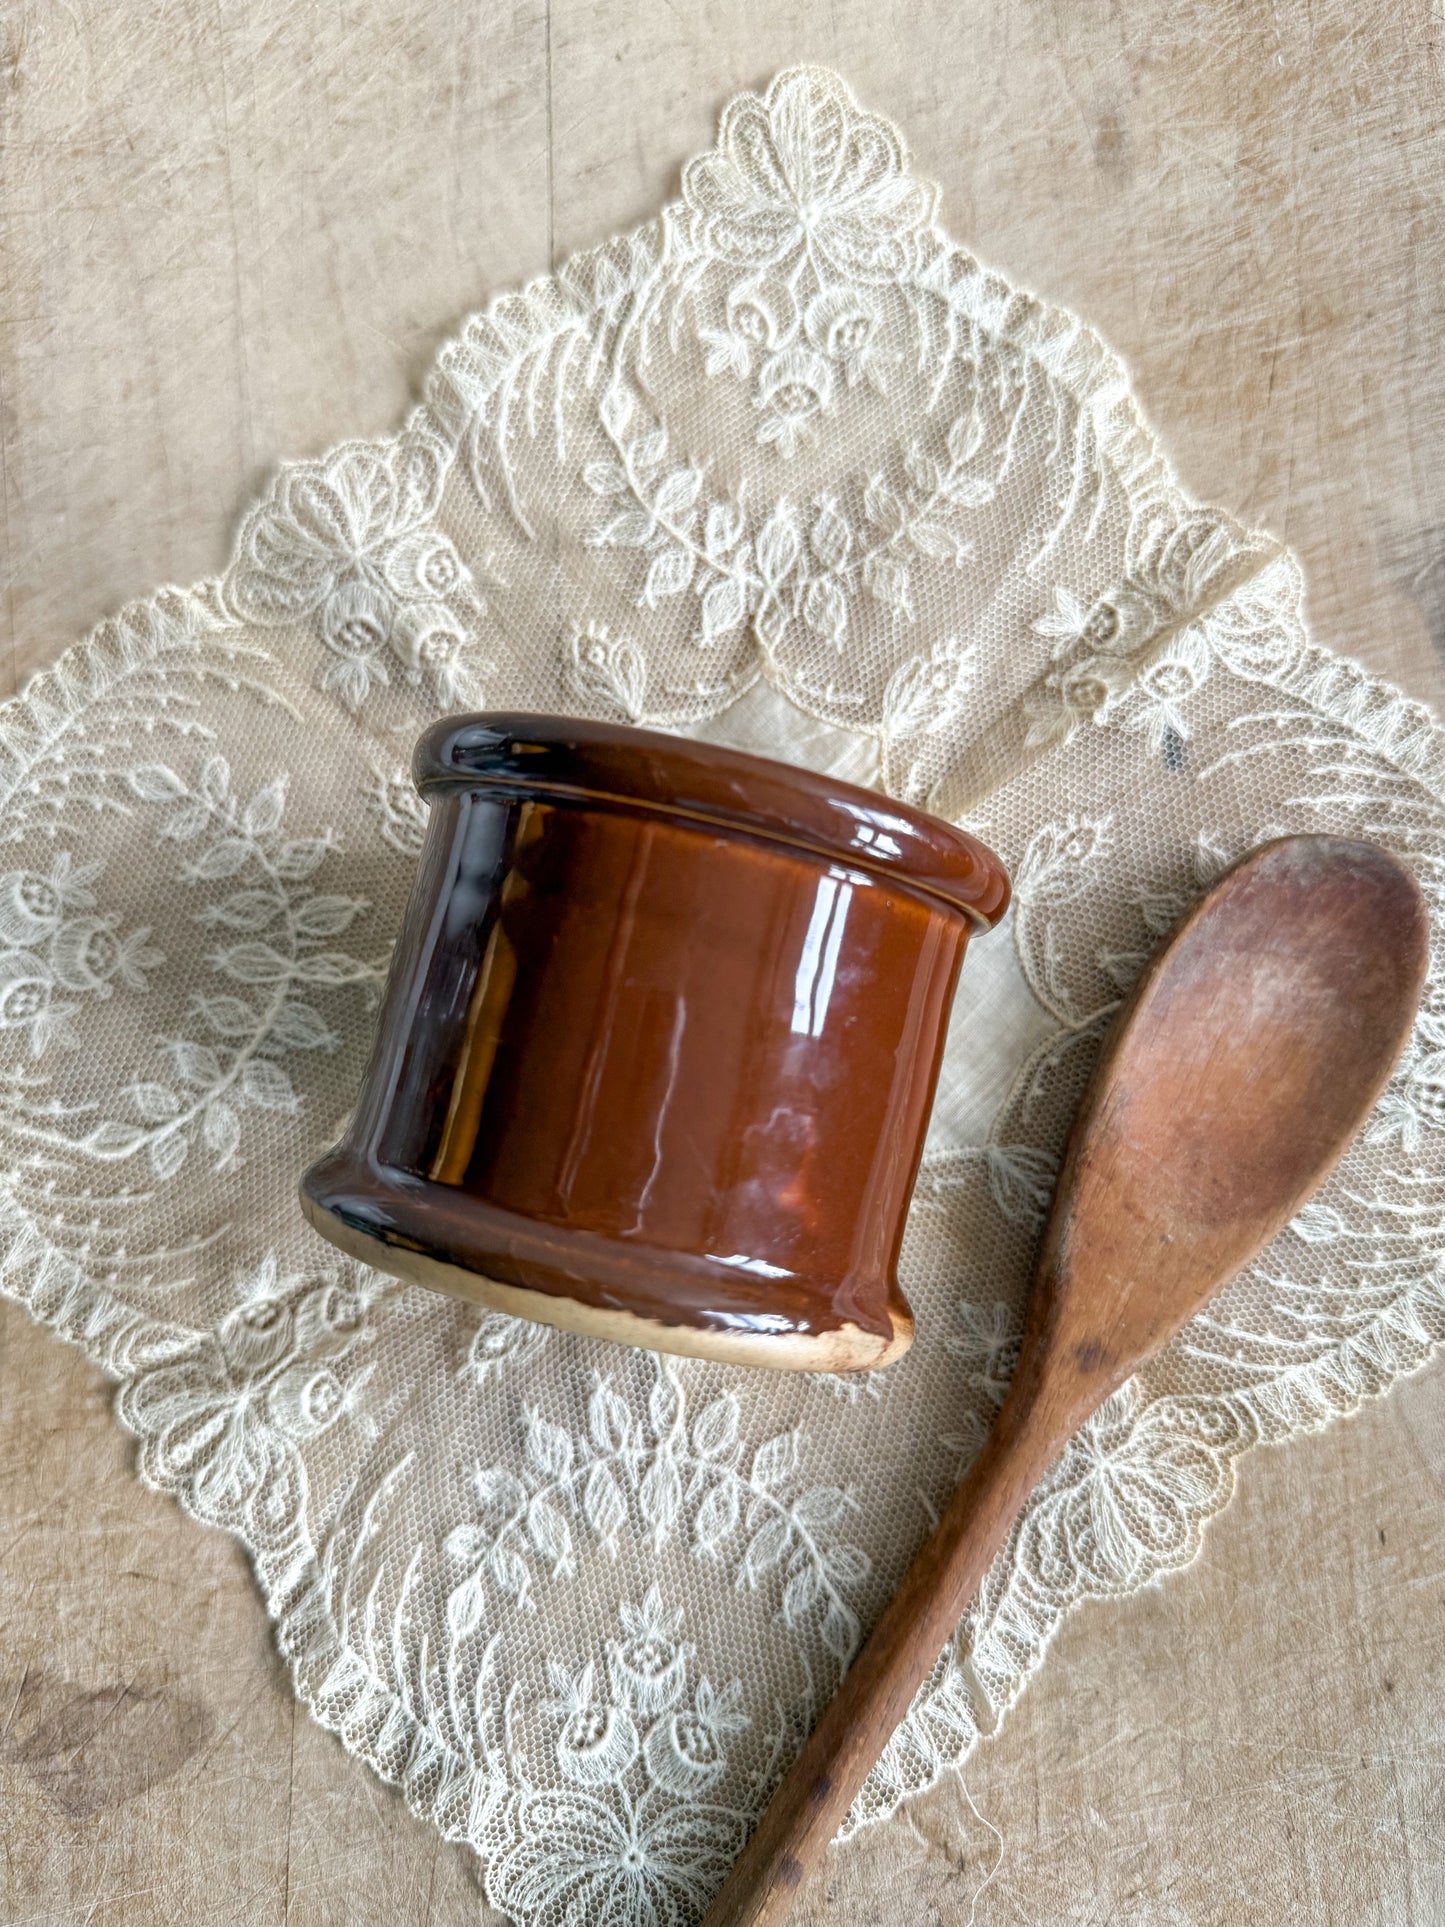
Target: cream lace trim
{"points": [[784, 466]]}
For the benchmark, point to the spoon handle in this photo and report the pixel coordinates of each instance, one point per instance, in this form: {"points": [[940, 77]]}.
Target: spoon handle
{"points": [[810, 1805]]}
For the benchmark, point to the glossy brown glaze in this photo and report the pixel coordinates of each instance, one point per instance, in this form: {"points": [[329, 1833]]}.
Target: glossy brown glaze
{"points": [[659, 1044]]}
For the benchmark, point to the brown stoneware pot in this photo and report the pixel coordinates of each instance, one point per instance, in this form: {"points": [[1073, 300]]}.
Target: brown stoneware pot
{"points": [[659, 1043]]}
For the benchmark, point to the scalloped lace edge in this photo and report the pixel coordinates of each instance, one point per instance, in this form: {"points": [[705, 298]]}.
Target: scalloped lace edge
{"points": [[328, 1677]]}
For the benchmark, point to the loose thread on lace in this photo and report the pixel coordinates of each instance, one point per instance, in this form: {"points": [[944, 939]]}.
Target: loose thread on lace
{"points": [[928, 1845]]}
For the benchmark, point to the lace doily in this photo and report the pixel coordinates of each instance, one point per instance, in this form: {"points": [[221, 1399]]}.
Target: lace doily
{"points": [[787, 468]]}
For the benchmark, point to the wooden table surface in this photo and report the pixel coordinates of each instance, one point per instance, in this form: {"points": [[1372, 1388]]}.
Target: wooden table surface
{"points": [[236, 230]]}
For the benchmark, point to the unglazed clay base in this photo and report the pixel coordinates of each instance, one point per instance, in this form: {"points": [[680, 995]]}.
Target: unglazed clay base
{"points": [[848, 1349]]}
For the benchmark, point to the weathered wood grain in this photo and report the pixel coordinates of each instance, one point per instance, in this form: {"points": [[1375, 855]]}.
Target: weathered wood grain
{"points": [[232, 234]]}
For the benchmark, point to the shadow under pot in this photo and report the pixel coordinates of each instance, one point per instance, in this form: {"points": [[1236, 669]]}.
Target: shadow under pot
{"points": [[659, 1044]]}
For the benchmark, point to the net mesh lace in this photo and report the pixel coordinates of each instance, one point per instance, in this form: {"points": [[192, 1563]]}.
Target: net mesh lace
{"points": [[788, 469]]}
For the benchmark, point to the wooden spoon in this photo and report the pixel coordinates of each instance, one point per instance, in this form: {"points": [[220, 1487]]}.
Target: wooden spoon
{"points": [[1249, 1055]]}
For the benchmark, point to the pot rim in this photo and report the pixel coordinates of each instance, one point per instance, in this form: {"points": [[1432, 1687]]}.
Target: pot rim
{"points": [[575, 759]]}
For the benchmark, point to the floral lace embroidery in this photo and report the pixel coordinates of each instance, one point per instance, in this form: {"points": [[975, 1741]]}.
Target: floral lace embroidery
{"points": [[634, 1833], [658, 1474], [785, 465], [222, 1416], [349, 542], [54, 945]]}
